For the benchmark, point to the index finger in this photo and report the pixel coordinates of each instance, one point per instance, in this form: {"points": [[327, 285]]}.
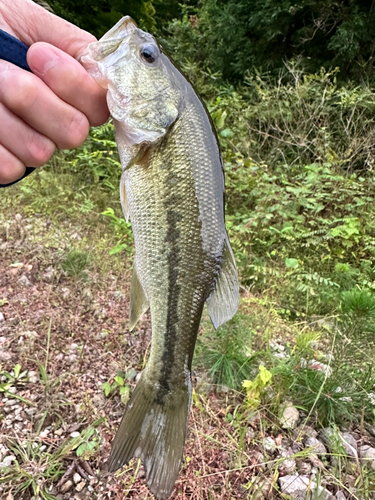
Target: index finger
{"points": [[35, 24], [69, 81]]}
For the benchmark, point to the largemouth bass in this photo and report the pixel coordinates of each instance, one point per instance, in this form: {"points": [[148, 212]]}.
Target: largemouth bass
{"points": [[172, 188]]}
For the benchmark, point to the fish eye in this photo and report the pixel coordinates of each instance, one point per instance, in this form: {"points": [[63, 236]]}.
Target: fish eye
{"points": [[149, 53]]}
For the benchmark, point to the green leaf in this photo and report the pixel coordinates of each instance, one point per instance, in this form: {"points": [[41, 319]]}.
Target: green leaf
{"points": [[291, 263], [227, 133], [119, 380], [106, 388], [17, 370]]}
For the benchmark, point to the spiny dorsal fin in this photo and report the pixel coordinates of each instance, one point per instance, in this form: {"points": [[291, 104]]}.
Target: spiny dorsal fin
{"points": [[223, 301], [138, 300]]}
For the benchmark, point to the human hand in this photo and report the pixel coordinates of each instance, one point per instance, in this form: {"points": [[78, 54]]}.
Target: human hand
{"points": [[53, 107]]}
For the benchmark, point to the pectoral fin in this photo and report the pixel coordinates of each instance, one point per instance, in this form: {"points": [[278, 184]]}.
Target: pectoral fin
{"points": [[138, 300], [123, 198], [223, 301]]}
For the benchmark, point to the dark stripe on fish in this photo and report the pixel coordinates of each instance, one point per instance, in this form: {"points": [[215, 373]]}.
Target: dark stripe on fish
{"points": [[174, 258]]}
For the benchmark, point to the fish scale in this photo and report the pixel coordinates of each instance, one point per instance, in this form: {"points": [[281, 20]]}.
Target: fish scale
{"points": [[172, 188]]}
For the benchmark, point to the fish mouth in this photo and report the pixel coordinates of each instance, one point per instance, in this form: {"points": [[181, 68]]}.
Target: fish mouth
{"points": [[97, 51], [121, 30]]}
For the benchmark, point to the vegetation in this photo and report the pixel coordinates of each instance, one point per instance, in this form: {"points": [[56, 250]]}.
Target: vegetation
{"points": [[288, 85]]}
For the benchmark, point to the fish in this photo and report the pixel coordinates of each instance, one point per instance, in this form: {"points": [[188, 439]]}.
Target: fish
{"points": [[172, 189]]}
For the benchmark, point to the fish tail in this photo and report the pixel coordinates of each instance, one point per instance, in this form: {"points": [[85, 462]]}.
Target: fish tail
{"points": [[154, 431]]}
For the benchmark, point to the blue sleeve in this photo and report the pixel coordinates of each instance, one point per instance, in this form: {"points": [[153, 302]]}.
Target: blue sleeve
{"points": [[14, 51]]}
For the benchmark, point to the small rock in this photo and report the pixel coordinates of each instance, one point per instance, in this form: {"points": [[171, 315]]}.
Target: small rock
{"points": [[11, 402], [76, 478], [289, 418], [350, 444], [304, 467], [250, 434], [259, 458], [269, 444], [59, 432], [49, 274], [66, 486], [335, 441], [340, 495], [320, 367], [74, 434], [5, 355], [298, 487], [318, 446], [33, 376], [305, 431], [2, 318], [7, 461], [30, 411], [367, 455], [80, 486], [24, 281], [288, 466]]}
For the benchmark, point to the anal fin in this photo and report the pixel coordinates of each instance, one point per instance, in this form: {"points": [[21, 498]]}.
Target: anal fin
{"points": [[138, 300], [223, 301]]}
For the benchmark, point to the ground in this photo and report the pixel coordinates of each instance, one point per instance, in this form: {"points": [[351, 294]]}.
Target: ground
{"points": [[68, 361]]}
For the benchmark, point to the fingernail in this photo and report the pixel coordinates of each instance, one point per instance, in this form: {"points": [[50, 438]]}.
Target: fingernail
{"points": [[42, 59]]}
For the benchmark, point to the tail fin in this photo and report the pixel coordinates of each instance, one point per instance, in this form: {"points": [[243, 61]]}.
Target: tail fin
{"points": [[154, 431]]}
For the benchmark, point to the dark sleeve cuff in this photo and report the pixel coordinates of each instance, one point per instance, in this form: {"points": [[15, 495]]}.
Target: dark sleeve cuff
{"points": [[14, 51]]}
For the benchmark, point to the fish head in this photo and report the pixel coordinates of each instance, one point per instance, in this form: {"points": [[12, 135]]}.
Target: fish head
{"points": [[144, 87]]}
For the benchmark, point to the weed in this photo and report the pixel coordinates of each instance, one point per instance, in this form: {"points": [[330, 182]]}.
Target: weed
{"points": [[75, 264], [227, 353]]}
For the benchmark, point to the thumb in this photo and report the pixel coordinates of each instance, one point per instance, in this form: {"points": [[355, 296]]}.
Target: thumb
{"points": [[32, 23]]}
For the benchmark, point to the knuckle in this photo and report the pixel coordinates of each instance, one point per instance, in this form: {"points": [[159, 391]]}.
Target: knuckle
{"points": [[99, 118], [10, 171], [76, 131], [40, 151], [24, 93]]}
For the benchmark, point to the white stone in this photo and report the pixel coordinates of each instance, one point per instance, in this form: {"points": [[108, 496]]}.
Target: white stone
{"points": [[269, 444], [81, 485], [76, 478], [335, 440], [7, 461], [30, 411], [74, 434], [317, 446], [367, 455], [299, 486], [11, 402], [2, 318], [24, 281], [340, 495], [66, 486], [33, 376], [320, 367], [350, 444], [289, 418], [5, 355]]}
